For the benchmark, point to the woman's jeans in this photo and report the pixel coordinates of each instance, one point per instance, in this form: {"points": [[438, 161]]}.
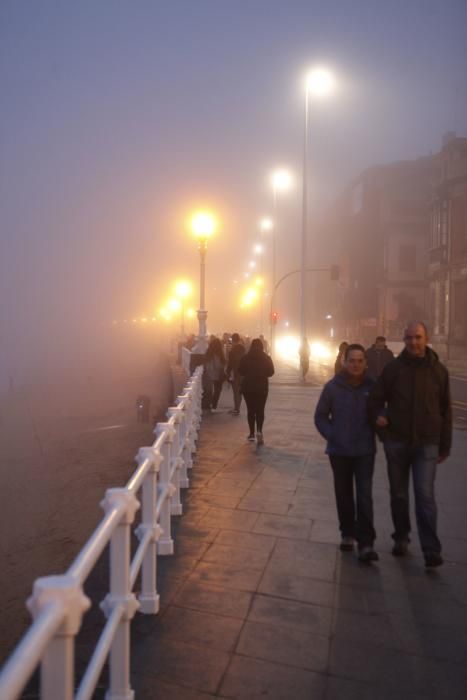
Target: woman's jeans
{"points": [[255, 404], [212, 389], [345, 469], [423, 460]]}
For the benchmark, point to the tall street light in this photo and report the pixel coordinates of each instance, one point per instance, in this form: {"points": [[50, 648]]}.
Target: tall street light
{"points": [[281, 181], [203, 225], [183, 290], [319, 84]]}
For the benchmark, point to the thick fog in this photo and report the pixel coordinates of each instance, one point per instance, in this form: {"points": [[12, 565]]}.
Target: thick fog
{"points": [[117, 119]]}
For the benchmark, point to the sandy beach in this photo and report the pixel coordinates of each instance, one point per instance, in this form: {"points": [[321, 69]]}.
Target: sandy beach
{"points": [[62, 444]]}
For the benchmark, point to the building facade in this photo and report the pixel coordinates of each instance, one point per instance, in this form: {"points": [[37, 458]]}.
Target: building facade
{"points": [[447, 251], [383, 221]]}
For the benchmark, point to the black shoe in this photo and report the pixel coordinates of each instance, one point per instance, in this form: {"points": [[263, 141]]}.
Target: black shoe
{"points": [[400, 549], [433, 559], [367, 554]]}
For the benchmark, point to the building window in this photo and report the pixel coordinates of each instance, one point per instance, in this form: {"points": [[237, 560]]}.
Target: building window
{"points": [[407, 258]]}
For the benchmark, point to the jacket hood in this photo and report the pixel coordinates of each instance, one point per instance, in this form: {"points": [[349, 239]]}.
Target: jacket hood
{"points": [[431, 358]]}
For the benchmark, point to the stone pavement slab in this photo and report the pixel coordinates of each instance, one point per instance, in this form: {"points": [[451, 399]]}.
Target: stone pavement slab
{"points": [[258, 601]]}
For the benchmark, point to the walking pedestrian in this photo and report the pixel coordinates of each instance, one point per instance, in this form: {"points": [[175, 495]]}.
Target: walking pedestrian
{"points": [[410, 407], [213, 375], [236, 353], [339, 363], [341, 417], [255, 367], [304, 354], [377, 357]]}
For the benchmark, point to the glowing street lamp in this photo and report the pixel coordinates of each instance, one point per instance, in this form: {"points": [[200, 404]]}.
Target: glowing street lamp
{"points": [[319, 83], [203, 225], [183, 290], [266, 224]]}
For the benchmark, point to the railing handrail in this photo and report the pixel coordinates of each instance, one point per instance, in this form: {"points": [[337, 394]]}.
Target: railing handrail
{"points": [[58, 602]]}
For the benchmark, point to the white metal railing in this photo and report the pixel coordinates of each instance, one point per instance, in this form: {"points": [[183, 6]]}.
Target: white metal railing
{"points": [[58, 603], [186, 360]]}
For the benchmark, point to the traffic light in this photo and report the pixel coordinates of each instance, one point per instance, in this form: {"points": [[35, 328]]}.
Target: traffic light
{"points": [[334, 270], [274, 316]]}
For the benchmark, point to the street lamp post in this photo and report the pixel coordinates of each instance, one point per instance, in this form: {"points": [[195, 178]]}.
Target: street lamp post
{"points": [[203, 225], [281, 181], [319, 83]]}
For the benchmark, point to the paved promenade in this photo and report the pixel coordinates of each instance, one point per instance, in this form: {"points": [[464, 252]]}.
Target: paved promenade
{"points": [[259, 602]]}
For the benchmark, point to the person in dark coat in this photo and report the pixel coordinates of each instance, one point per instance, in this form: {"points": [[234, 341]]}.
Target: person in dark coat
{"points": [[255, 367], [213, 375], [410, 407], [236, 353], [339, 363], [377, 357], [341, 417]]}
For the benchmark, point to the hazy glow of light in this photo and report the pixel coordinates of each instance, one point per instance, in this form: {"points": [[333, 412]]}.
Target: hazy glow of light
{"points": [[153, 318], [174, 305], [259, 281], [286, 324], [286, 347], [235, 281], [203, 224], [252, 264], [258, 249], [114, 323], [191, 313], [320, 82], [183, 289], [320, 351], [246, 275], [249, 296], [329, 316], [266, 224], [165, 314], [281, 180], [135, 320], [143, 319]]}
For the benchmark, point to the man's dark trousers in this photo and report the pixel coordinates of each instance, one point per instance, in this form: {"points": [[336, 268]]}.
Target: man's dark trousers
{"points": [[344, 470], [423, 460]]}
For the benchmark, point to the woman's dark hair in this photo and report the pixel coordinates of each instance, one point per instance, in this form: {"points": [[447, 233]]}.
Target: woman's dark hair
{"points": [[256, 345], [343, 346], [353, 346], [215, 348]]}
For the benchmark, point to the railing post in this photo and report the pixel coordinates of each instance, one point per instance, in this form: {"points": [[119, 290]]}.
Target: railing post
{"points": [[120, 593], [187, 403], [57, 666], [149, 598], [180, 411], [165, 545], [176, 504]]}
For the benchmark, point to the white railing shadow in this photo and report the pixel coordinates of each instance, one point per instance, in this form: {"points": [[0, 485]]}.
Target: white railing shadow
{"points": [[58, 603]]}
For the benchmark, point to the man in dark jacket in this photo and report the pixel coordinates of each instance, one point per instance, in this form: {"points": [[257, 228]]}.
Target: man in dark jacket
{"points": [[377, 357], [410, 407], [341, 417], [235, 355]]}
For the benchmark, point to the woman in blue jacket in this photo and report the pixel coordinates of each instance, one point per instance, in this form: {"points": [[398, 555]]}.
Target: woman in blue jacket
{"points": [[341, 417]]}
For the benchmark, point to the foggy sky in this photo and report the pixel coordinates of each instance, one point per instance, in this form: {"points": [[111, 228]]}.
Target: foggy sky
{"points": [[117, 118]]}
